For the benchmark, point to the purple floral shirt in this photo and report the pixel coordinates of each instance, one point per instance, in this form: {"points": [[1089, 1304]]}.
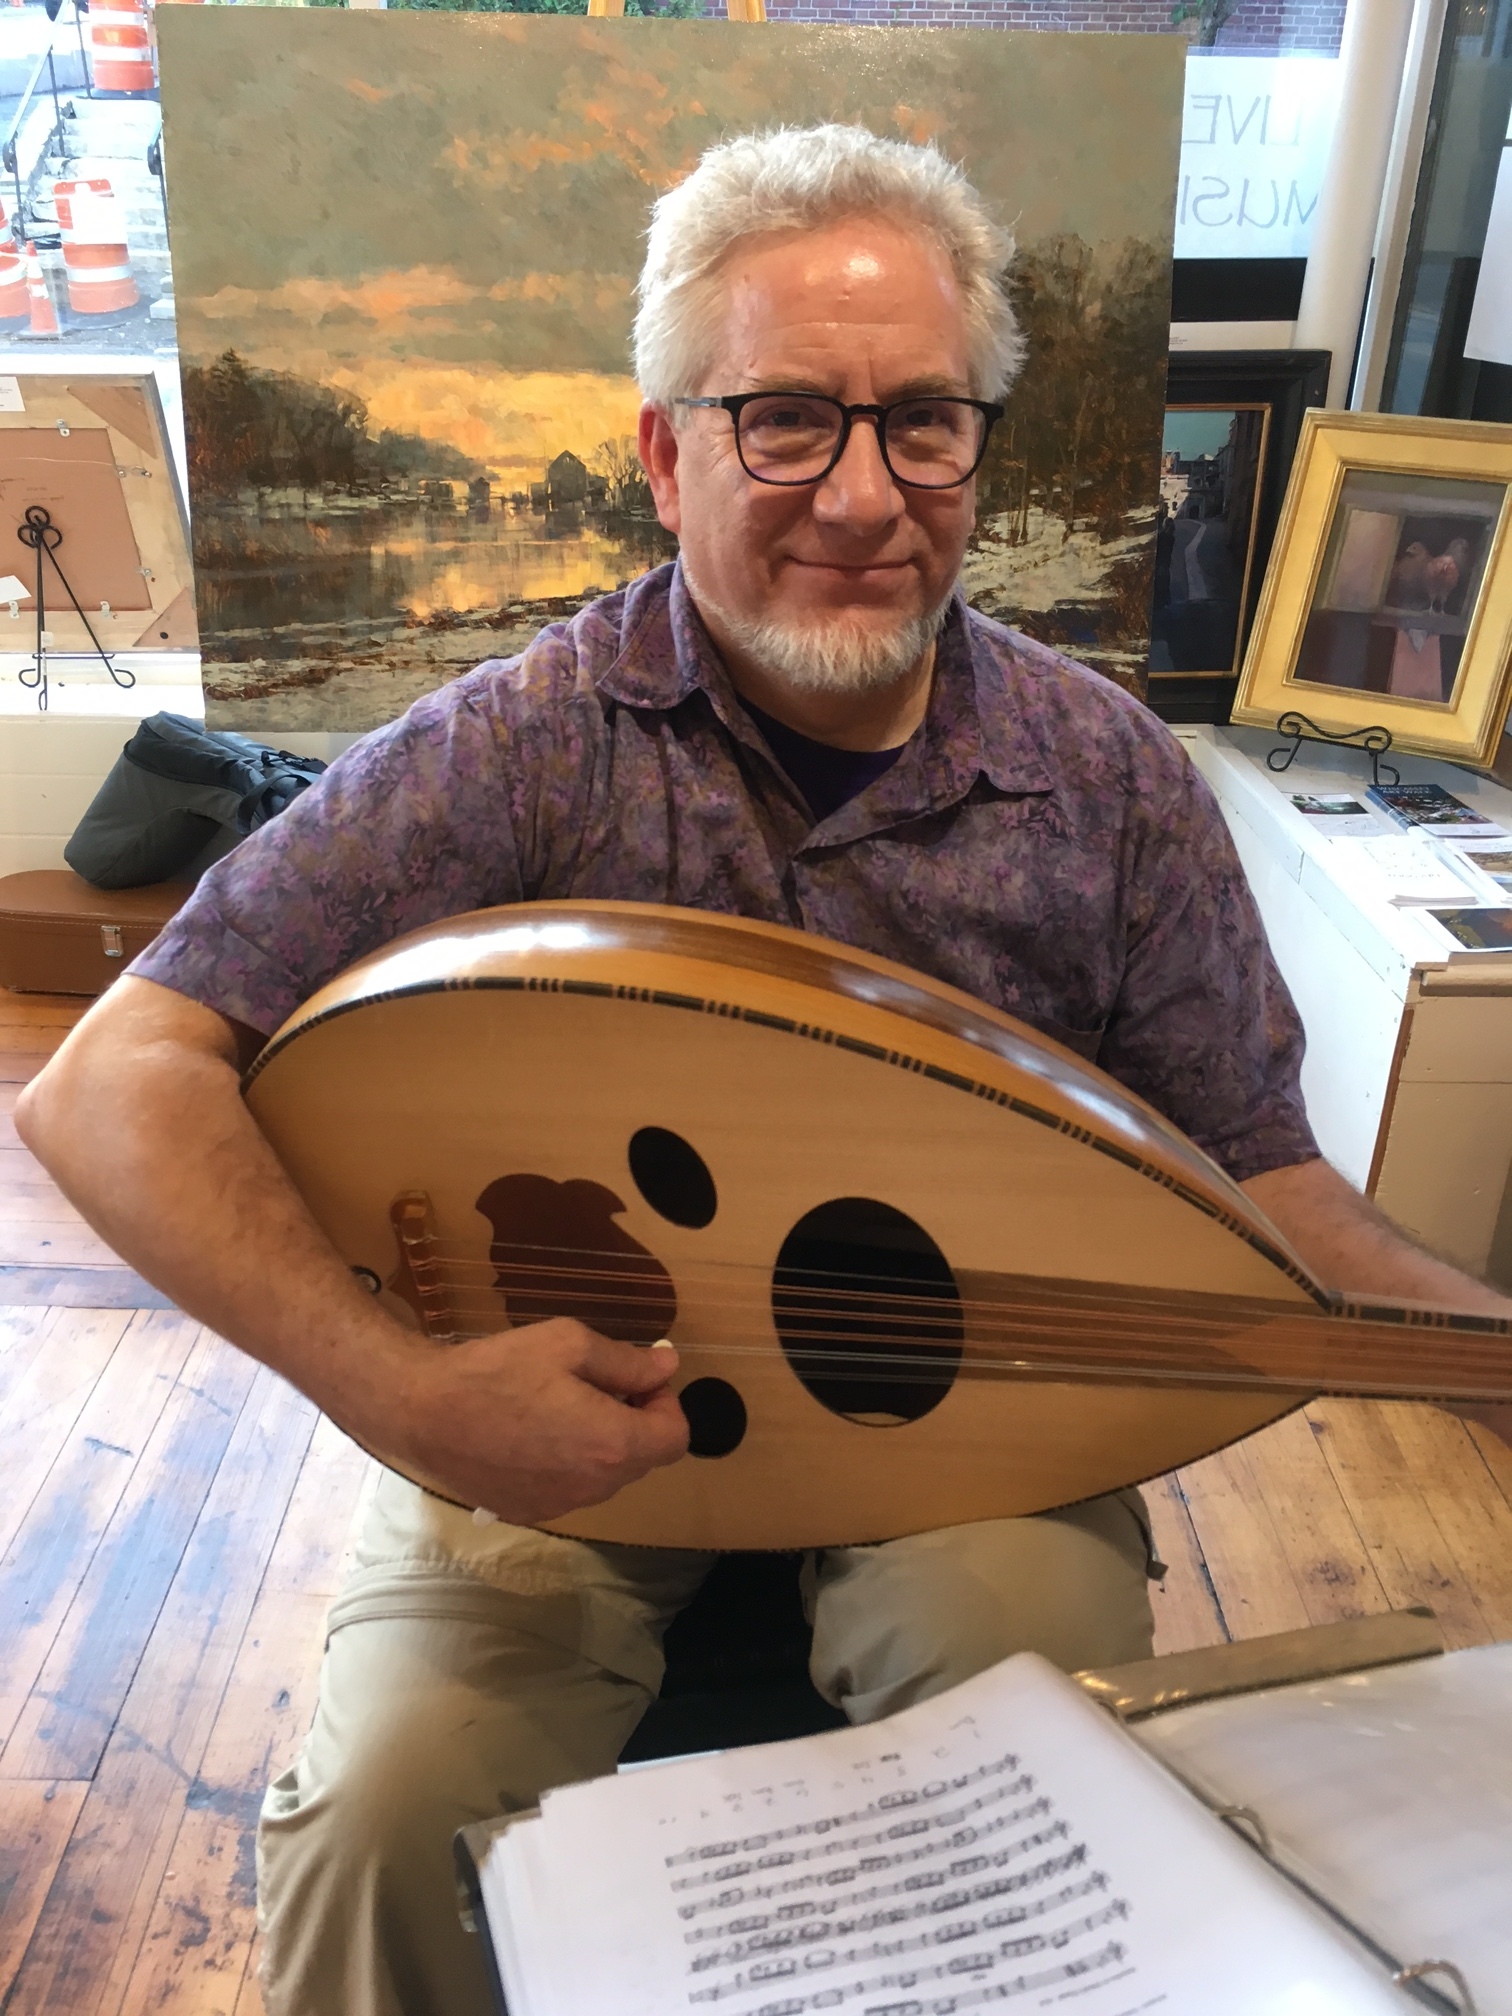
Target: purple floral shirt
{"points": [[1042, 843]]}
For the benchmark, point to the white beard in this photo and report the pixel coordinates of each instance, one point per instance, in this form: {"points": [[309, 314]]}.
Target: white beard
{"points": [[829, 654]]}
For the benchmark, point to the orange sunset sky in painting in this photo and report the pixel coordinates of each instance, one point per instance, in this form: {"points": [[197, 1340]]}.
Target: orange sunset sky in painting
{"points": [[445, 213], [514, 421]]}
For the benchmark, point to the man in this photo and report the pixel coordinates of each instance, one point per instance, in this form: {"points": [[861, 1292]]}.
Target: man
{"points": [[801, 722]]}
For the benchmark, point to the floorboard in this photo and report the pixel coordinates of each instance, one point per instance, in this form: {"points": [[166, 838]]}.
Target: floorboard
{"points": [[66, 1357], [59, 1534], [56, 1241], [174, 1521], [85, 1945], [36, 1820], [1400, 1508], [1185, 1601], [1496, 1456], [97, 1287], [250, 2001], [66, 1724], [194, 1956], [23, 1335]]}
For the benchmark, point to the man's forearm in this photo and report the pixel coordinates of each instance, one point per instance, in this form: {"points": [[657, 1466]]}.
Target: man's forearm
{"points": [[148, 1137], [1347, 1243]]}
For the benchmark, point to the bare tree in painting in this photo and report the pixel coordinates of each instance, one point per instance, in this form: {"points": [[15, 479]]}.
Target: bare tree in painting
{"points": [[619, 463], [1082, 431]]}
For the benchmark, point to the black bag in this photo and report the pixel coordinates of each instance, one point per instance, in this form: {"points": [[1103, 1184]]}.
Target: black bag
{"points": [[179, 796]]}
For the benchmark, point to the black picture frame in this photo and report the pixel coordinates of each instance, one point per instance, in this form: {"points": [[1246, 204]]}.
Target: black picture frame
{"points": [[1283, 384]]}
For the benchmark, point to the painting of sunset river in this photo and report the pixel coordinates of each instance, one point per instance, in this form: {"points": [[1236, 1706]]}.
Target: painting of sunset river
{"points": [[405, 248]]}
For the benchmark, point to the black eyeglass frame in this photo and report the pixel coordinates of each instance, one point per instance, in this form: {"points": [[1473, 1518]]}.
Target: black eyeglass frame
{"points": [[734, 403]]}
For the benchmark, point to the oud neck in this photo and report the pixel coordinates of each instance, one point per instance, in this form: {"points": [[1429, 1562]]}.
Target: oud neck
{"points": [[1023, 1325]]}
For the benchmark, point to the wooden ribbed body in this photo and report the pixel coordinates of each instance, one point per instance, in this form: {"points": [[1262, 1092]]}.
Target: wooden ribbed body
{"points": [[922, 1265]]}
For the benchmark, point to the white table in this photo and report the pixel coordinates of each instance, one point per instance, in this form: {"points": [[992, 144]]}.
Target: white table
{"points": [[1408, 1077]]}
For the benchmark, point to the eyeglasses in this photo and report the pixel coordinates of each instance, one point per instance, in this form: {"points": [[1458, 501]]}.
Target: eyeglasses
{"points": [[790, 438]]}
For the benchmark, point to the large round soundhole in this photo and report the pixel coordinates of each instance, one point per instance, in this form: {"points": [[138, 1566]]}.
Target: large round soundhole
{"points": [[868, 1312], [716, 1417], [673, 1177]]}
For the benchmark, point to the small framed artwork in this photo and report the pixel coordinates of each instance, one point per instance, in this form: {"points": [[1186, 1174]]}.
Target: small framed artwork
{"points": [[1389, 597], [1231, 428]]}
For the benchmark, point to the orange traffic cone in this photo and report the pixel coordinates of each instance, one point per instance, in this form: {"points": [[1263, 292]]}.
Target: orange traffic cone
{"points": [[95, 256], [14, 302], [44, 317], [14, 299], [120, 49]]}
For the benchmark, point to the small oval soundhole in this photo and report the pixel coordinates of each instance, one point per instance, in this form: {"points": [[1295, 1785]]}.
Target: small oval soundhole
{"points": [[673, 1177], [868, 1312], [716, 1417]]}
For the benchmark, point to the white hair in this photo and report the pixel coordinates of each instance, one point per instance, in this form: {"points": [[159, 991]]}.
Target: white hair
{"points": [[801, 179]]}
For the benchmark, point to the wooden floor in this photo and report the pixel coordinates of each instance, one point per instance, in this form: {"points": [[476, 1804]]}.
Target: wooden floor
{"points": [[173, 1521]]}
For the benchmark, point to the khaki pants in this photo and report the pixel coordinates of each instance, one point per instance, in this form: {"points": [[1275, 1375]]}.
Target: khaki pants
{"points": [[470, 1668]]}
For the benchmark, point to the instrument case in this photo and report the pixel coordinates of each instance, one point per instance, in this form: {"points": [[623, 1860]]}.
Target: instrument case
{"points": [[58, 935]]}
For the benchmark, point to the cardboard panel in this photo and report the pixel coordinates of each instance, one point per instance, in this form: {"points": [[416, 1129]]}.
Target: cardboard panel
{"points": [[94, 451]]}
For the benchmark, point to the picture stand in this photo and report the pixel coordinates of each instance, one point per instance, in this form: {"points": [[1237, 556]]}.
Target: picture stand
{"points": [[88, 485], [38, 531], [1373, 741]]}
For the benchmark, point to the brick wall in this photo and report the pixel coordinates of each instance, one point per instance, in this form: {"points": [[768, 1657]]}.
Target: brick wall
{"points": [[1256, 24]]}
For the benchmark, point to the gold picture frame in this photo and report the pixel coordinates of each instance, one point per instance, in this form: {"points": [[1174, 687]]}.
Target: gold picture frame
{"points": [[1388, 600]]}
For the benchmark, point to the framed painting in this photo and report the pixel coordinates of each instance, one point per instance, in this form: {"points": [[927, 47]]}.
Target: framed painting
{"points": [[1389, 597], [405, 250], [1232, 421]]}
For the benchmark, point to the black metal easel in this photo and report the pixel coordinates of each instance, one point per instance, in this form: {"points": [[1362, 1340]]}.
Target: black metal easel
{"points": [[1372, 742], [38, 531]]}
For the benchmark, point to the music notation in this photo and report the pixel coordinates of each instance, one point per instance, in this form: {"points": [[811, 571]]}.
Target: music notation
{"points": [[936, 1893]]}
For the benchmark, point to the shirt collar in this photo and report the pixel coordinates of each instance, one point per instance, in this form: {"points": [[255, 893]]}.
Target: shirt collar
{"points": [[665, 652], [980, 721]]}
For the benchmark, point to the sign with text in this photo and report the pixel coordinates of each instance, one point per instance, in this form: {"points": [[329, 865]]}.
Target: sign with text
{"points": [[1254, 150]]}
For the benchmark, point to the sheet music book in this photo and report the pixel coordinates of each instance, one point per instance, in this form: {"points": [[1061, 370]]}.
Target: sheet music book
{"points": [[1004, 1847]]}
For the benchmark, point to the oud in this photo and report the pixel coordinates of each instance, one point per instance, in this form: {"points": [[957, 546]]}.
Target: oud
{"points": [[922, 1265]]}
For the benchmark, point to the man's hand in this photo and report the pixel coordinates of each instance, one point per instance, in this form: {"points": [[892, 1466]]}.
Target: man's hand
{"points": [[537, 1422]]}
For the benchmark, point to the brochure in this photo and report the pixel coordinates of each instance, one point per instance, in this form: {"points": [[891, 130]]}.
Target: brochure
{"points": [[1431, 806]]}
